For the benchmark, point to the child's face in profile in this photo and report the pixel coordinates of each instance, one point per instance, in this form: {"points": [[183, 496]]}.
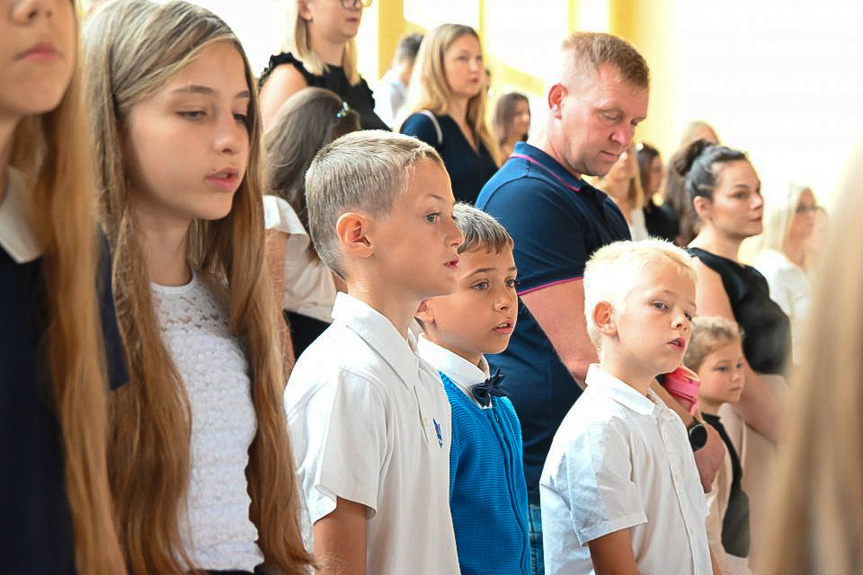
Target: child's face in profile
{"points": [[416, 244], [654, 322], [480, 316], [722, 377]]}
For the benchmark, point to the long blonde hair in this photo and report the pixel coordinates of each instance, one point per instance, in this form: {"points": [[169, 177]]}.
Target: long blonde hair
{"points": [[817, 515], [133, 48], [49, 150], [301, 46], [429, 89], [780, 215]]}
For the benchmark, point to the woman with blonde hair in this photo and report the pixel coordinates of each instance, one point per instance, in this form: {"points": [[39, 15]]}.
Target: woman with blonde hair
{"points": [[60, 346], [783, 257], [321, 53], [200, 461], [511, 122], [676, 195], [446, 107], [622, 183], [816, 521]]}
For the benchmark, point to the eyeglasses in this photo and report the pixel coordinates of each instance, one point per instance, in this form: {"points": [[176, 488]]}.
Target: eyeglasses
{"points": [[343, 111], [351, 4], [803, 208]]}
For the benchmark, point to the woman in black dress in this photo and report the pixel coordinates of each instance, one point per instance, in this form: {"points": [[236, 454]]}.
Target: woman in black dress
{"points": [[726, 195], [323, 55]]}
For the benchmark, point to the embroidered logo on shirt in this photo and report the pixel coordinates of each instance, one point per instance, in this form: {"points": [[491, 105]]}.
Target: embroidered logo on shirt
{"points": [[438, 431]]}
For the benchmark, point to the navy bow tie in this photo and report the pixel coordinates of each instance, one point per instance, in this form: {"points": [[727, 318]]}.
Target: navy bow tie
{"points": [[483, 391]]}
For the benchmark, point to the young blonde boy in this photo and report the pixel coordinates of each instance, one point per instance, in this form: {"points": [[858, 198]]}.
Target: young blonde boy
{"points": [[488, 494], [715, 353], [369, 420], [620, 492]]}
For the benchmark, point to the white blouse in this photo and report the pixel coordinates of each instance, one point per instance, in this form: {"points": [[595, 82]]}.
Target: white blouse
{"points": [[194, 326], [791, 288]]}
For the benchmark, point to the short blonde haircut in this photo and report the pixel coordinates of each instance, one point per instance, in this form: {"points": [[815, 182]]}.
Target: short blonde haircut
{"points": [[708, 335], [585, 52], [300, 44], [780, 215], [363, 172], [480, 230], [613, 270]]}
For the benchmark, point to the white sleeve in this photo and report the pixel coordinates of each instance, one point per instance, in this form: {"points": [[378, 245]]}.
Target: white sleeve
{"points": [[347, 442], [597, 471]]}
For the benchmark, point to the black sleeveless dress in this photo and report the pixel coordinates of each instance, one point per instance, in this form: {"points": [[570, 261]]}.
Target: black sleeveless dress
{"points": [[767, 339], [359, 96]]}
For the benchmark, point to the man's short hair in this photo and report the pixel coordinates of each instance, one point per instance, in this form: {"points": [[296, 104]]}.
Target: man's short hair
{"points": [[481, 231], [613, 270], [362, 172], [585, 52], [708, 335], [408, 48]]}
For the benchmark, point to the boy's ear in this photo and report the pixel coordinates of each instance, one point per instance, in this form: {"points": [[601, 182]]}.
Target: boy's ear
{"points": [[603, 316], [352, 230], [424, 313]]}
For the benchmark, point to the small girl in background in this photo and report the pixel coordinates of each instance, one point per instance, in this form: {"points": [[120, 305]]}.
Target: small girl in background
{"points": [[200, 461], [715, 353], [57, 319], [511, 122], [310, 119]]}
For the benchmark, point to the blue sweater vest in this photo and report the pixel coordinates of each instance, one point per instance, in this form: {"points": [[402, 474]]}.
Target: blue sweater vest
{"points": [[488, 494]]}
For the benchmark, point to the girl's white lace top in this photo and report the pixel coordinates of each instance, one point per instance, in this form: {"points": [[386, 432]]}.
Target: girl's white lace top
{"points": [[194, 326]]}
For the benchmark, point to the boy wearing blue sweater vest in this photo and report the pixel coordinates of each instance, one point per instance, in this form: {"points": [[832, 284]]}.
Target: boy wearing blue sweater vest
{"points": [[488, 494]]}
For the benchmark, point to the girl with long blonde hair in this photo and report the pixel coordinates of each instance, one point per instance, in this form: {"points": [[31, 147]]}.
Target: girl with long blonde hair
{"points": [[200, 461], [783, 257], [58, 328], [321, 53], [446, 107], [622, 183]]}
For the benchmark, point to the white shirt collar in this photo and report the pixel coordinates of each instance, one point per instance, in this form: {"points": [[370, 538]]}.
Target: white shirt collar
{"points": [[17, 236], [603, 382], [379, 332], [459, 370]]}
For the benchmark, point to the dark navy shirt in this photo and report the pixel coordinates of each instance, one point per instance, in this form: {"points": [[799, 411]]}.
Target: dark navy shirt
{"points": [[468, 169], [557, 221], [35, 520]]}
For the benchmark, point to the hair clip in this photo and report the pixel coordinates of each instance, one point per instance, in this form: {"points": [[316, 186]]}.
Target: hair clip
{"points": [[343, 111]]}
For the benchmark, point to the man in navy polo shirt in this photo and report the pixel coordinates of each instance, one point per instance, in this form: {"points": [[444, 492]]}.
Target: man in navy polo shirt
{"points": [[557, 221]]}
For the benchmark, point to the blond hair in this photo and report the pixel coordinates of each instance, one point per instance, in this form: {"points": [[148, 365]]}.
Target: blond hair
{"points": [[585, 52], [816, 520], [429, 89], [709, 334], [780, 216], [480, 230], [364, 172], [48, 149], [133, 48], [301, 46], [613, 270]]}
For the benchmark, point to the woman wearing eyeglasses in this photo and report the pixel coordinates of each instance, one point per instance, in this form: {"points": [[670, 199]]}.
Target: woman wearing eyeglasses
{"points": [[323, 55], [783, 258]]}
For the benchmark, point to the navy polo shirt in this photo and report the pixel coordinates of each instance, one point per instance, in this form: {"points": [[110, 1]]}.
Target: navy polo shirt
{"points": [[468, 169], [557, 221]]}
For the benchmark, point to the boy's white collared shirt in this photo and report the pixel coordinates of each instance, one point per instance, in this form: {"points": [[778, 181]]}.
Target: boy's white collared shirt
{"points": [[370, 423], [621, 460], [16, 233], [459, 370]]}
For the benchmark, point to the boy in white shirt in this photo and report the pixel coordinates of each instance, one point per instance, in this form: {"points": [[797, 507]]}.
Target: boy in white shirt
{"points": [[369, 420], [620, 492]]}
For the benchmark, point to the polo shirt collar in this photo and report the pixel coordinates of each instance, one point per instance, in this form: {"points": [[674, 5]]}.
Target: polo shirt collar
{"points": [[559, 172], [459, 370], [603, 382], [17, 236], [379, 333]]}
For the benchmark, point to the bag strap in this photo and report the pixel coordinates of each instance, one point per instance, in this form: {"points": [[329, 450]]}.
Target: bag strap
{"points": [[430, 116]]}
